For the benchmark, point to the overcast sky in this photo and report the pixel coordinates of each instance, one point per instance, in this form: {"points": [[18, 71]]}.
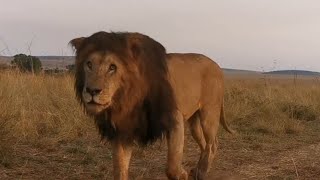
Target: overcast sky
{"points": [[244, 34]]}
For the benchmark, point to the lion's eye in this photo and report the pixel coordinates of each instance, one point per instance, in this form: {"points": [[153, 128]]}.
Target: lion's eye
{"points": [[89, 64], [112, 68]]}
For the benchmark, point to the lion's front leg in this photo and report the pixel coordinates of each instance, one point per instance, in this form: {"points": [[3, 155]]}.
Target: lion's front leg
{"points": [[175, 140], [121, 158]]}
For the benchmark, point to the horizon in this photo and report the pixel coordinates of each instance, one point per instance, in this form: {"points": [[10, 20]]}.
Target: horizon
{"points": [[258, 36], [224, 68]]}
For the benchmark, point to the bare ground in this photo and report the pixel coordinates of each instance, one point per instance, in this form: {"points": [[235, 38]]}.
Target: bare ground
{"points": [[88, 158]]}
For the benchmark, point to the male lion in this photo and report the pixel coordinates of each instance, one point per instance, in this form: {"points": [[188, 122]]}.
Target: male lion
{"points": [[138, 93]]}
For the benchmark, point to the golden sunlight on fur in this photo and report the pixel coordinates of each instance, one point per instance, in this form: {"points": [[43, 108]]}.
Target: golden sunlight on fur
{"points": [[138, 93]]}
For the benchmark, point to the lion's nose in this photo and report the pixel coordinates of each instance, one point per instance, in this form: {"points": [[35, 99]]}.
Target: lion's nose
{"points": [[93, 91]]}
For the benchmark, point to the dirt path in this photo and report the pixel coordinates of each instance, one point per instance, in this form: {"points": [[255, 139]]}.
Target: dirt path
{"points": [[91, 160], [301, 163]]}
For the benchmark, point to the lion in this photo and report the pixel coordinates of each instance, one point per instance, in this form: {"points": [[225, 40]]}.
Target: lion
{"points": [[137, 93]]}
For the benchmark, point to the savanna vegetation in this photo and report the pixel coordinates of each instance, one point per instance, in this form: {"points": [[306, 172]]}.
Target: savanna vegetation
{"points": [[27, 63], [45, 134]]}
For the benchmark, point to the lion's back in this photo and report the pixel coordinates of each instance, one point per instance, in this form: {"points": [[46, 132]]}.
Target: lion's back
{"points": [[193, 66], [192, 62], [191, 76]]}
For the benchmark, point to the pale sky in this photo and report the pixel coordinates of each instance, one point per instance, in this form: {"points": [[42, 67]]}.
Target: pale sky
{"points": [[243, 34]]}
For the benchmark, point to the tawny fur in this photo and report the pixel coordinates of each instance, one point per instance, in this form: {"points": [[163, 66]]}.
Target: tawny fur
{"points": [[153, 94]]}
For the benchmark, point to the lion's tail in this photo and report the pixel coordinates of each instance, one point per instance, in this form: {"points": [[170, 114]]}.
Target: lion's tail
{"points": [[224, 122]]}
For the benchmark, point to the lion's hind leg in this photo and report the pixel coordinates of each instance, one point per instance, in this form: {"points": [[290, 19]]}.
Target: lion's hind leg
{"points": [[209, 122], [196, 130], [197, 134]]}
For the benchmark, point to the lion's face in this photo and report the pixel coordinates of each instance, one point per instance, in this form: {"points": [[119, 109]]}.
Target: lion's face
{"points": [[125, 76], [102, 78]]}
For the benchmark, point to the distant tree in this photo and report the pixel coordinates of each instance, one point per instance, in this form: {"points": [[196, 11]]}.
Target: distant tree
{"points": [[27, 63]]}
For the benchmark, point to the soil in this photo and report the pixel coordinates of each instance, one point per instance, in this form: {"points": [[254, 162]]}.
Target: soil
{"points": [[88, 158]]}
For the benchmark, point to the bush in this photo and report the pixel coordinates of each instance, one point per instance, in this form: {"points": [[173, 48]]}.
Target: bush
{"points": [[27, 63], [300, 111]]}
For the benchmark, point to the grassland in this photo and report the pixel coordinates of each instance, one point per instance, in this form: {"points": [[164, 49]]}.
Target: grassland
{"points": [[44, 133]]}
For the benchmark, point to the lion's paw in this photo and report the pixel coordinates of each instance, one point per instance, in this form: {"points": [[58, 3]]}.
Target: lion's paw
{"points": [[196, 174], [183, 175]]}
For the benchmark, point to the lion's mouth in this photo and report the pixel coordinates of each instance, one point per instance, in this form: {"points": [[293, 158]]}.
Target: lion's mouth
{"points": [[92, 102]]}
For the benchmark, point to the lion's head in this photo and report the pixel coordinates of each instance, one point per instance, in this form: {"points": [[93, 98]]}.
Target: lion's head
{"points": [[121, 79], [102, 76]]}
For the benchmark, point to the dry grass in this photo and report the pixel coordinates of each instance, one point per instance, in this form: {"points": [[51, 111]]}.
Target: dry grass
{"points": [[38, 110], [40, 120], [278, 108], [35, 107]]}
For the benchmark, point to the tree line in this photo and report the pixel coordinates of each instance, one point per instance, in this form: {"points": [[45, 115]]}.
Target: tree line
{"points": [[32, 64]]}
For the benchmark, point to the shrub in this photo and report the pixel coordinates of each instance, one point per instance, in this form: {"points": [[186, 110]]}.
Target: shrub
{"points": [[27, 63]]}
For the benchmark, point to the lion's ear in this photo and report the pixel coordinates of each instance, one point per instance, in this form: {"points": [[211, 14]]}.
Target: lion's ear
{"points": [[77, 42], [141, 44], [135, 49]]}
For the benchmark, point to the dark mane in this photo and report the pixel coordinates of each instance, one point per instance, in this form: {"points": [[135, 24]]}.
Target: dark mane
{"points": [[144, 105]]}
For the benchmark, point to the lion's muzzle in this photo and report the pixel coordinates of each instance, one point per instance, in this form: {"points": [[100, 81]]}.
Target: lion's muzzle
{"points": [[95, 99], [93, 92]]}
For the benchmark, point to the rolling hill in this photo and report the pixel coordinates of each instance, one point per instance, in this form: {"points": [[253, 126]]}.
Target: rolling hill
{"points": [[62, 61], [294, 72]]}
